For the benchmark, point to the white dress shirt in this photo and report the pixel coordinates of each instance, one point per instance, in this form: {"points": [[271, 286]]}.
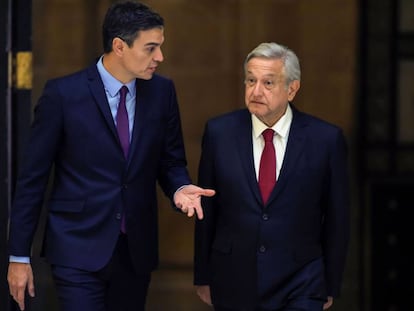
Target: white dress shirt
{"points": [[280, 139]]}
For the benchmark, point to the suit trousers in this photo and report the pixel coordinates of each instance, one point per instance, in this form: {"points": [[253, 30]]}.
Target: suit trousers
{"points": [[116, 287], [302, 304]]}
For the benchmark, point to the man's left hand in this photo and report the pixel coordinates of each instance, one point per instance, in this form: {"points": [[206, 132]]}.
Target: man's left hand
{"points": [[328, 303], [188, 199]]}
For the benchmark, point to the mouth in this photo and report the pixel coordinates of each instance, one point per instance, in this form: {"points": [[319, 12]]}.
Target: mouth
{"points": [[152, 69], [254, 102]]}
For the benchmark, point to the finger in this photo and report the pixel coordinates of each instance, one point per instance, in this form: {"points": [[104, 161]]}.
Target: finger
{"points": [[12, 290], [20, 299], [190, 212], [327, 305], [199, 212], [205, 297], [206, 192], [209, 192], [31, 288], [18, 294]]}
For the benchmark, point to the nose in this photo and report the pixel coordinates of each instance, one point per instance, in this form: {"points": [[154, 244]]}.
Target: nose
{"points": [[257, 89], [158, 56]]}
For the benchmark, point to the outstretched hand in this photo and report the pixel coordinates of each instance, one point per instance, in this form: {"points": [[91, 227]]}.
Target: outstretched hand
{"points": [[188, 200]]}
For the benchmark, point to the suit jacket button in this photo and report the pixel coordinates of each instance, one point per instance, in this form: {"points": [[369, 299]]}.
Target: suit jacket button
{"points": [[118, 216], [262, 249], [265, 217]]}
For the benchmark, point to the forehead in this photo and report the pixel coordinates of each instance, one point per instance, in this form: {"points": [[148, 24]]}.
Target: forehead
{"points": [[153, 36], [265, 66]]}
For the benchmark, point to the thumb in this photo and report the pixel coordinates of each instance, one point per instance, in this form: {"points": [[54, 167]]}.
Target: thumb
{"points": [[208, 192], [30, 286]]}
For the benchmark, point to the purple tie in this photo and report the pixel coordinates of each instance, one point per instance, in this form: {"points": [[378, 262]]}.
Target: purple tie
{"points": [[122, 123], [267, 170]]}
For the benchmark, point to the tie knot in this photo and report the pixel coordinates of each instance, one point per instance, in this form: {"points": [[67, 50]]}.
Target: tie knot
{"points": [[268, 135], [122, 92]]}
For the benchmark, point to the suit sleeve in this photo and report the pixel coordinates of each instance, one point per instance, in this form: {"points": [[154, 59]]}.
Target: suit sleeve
{"points": [[204, 229], [173, 169], [35, 168], [337, 222]]}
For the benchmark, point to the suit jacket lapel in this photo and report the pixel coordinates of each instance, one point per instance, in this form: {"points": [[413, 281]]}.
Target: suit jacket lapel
{"points": [[141, 105], [294, 148], [243, 135], [98, 92]]}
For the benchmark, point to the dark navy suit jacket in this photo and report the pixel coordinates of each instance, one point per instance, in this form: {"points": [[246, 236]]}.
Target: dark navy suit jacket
{"points": [[295, 246], [74, 134]]}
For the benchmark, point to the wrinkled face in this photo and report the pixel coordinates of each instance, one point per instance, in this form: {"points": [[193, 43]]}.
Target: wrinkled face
{"points": [[142, 58], [266, 93]]}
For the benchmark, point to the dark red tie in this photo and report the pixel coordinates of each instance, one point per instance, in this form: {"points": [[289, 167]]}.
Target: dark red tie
{"points": [[122, 126], [122, 123], [267, 170]]}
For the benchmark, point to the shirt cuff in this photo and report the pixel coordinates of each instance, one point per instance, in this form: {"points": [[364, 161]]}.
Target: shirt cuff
{"points": [[19, 259]]}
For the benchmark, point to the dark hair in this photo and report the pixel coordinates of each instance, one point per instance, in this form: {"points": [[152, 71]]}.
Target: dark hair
{"points": [[125, 20]]}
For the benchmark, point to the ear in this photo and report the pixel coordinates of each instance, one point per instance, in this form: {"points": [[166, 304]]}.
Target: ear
{"points": [[293, 89], [118, 45]]}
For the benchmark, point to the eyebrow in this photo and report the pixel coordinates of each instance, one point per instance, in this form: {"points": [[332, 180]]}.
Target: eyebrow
{"points": [[152, 44]]}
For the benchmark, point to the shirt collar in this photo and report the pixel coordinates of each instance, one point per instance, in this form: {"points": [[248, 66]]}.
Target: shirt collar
{"points": [[111, 84], [281, 127]]}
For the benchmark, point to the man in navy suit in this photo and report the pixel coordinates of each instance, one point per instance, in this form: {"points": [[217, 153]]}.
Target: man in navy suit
{"points": [[102, 237], [285, 249]]}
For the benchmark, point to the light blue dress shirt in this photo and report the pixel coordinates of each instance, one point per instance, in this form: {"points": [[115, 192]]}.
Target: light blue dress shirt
{"points": [[112, 87]]}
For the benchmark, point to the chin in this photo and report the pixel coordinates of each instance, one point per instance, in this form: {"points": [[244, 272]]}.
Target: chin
{"points": [[255, 109], [146, 77]]}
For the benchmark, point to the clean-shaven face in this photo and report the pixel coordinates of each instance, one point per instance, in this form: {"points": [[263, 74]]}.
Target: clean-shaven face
{"points": [[143, 57], [266, 93]]}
